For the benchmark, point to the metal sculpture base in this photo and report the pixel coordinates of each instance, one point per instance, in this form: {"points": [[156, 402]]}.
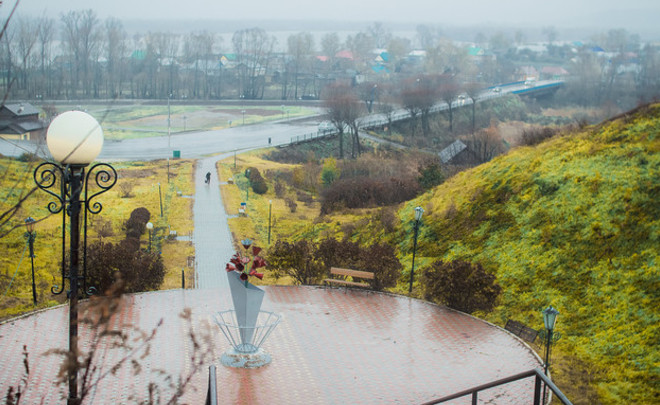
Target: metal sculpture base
{"points": [[246, 354], [237, 359]]}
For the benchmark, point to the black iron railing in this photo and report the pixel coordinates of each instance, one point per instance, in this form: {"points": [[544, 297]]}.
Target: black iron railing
{"points": [[538, 382]]}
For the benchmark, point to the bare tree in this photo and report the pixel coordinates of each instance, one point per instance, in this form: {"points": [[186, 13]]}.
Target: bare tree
{"points": [[381, 36], [81, 37], [115, 48], [344, 108], [418, 96], [253, 47], [46, 32], [301, 46], [473, 90], [26, 38], [485, 144], [448, 90]]}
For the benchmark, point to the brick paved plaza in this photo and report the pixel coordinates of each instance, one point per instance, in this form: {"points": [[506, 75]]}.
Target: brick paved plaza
{"points": [[333, 346]]}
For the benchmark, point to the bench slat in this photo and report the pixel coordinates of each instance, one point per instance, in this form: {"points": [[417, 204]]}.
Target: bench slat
{"points": [[352, 273], [334, 280]]}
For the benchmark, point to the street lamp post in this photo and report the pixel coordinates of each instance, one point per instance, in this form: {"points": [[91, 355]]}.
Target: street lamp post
{"points": [[270, 211], [74, 140], [169, 116], [160, 198], [31, 235], [549, 319], [247, 189], [150, 228], [418, 218], [243, 112]]}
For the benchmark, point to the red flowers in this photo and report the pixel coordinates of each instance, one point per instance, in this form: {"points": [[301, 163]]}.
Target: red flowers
{"points": [[241, 263]]}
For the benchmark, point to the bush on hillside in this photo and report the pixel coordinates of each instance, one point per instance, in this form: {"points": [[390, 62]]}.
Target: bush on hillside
{"points": [[379, 259], [460, 285], [137, 222], [257, 182], [124, 262], [365, 192], [296, 260]]}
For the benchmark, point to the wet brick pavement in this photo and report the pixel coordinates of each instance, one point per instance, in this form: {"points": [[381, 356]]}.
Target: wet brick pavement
{"points": [[333, 346]]}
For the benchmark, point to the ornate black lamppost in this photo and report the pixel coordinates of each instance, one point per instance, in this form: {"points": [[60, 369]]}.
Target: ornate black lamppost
{"points": [[549, 319], [31, 235], [74, 140], [418, 219]]}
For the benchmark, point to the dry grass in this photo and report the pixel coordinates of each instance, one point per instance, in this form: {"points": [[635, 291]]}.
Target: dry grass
{"points": [[144, 178]]}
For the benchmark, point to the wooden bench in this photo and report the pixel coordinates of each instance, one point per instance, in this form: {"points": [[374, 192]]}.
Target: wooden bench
{"points": [[349, 273], [521, 330]]}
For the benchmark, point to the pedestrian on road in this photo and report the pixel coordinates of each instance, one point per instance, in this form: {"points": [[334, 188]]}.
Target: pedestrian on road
{"points": [[208, 178]]}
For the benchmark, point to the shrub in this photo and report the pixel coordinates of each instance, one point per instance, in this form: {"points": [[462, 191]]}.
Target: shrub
{"points": [[296, 260], [126, 189], [366, 192], [330, 172], [136, 223], [378, 258], [137, 270], [257, 182], [291, 204], [430, 176], [536, 135], [382, 261], [279, 188], [460, 285]]}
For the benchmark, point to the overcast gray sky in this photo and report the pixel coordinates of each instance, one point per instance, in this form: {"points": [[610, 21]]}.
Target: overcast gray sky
{"points": [[612, 13]]}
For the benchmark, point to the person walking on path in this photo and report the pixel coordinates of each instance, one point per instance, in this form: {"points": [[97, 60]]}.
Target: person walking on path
{"points": [[208, 178]]}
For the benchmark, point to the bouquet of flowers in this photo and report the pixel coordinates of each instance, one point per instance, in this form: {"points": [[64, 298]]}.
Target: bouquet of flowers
{"points": [[246, 265]]}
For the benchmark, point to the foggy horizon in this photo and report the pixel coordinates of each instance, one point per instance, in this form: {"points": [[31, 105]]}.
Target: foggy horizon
{"points": [[571, 19]]}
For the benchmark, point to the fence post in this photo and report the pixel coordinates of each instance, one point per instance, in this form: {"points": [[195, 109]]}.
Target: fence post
{"points": [[183, 279]]}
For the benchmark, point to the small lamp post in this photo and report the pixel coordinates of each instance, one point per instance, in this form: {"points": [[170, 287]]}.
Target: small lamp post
{"points": [[243, 112], [270, 211], [247, 189], [160, 198], [549, 320], [418, 219], [150, 228], [74, 139], [31, 235]]}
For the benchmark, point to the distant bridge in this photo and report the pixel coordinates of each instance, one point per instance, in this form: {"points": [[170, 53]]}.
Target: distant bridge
{"points": [[521, 88]]}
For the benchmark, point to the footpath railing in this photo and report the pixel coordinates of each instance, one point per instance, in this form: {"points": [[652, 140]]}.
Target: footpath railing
{"points": [[539, 379]]}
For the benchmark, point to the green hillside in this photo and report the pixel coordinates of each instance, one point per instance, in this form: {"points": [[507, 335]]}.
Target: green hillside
{"points": [[573, 222]]}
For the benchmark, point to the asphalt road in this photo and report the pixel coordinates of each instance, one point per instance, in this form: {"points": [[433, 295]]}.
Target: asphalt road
{"points": [[191, 145]]}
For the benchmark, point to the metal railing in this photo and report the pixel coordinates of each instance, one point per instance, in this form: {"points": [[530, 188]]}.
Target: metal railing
{"points": [[211, 393], [537, 372]]}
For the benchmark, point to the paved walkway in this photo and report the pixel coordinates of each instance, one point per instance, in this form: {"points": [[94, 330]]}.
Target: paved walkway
{"points": [[212, 237], [334, 346]]}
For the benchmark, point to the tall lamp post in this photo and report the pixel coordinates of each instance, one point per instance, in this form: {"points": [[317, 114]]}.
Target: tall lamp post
{"points": [[270, 211], [31, 235], [549, 319], [150, 228], [418, 219], [74, 140]]}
